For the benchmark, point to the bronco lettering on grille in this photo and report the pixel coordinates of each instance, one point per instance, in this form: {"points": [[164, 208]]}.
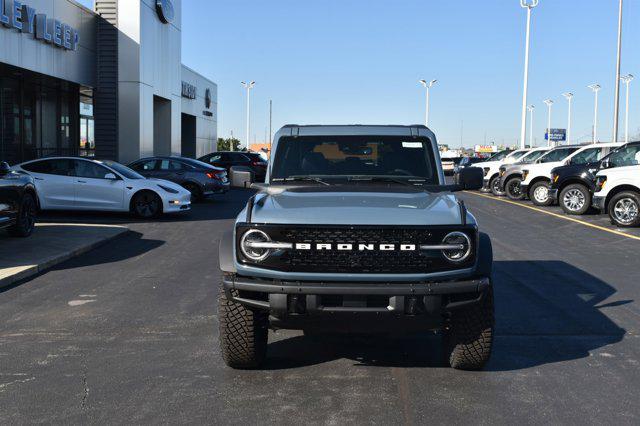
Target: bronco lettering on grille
{"points": [[356, 247]]}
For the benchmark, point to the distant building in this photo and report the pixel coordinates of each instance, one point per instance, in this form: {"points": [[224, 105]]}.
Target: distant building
{"points": [[261, 147]]}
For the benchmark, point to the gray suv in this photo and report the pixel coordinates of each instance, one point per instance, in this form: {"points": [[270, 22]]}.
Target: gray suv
{"points": [[356, 231]]}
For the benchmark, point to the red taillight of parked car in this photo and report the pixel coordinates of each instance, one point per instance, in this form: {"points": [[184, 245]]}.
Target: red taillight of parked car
{"points": [[259, 163], [217, 175]]}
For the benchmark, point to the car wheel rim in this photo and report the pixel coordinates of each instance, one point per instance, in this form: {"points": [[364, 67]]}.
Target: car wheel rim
{"points": [[514, 188], [147, 205], [541, 193], [496, 185], [574, 200], [625, 210], [28, 216]]}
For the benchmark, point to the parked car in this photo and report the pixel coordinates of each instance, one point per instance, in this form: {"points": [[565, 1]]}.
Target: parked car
{"points": [[449, 164], [355, 231], [71, 183], [536, 177], [617, 189], [200, 179], [511, 174], [491, 168], [228, 159], [572, 185], [18, 202], [467, 162]]}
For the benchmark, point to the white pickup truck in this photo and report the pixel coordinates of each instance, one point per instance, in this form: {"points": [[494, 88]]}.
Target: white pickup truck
{"points": [[491, 168]]}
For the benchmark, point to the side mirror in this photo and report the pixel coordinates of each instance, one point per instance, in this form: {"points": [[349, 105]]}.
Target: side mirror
{"points": [[471, 178], [605, 164], [111, 176], [4, 168]]}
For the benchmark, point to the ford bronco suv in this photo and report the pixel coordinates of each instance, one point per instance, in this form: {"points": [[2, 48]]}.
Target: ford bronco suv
{"points": [[18, 202], [356, 231]]}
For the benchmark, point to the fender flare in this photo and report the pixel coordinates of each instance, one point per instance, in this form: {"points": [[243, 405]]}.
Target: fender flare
{"points": [[226, 254], [484, 266]]}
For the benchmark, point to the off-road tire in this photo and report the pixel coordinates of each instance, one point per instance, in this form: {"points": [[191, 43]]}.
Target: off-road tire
{"points": [[510, 190], [494, 186], [26, 220], [468, 337], [532, 194], [243, 333], [575, 188], [631, 197]]}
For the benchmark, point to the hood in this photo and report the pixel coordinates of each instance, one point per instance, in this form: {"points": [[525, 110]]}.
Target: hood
{"points": [[356, 206], [166, 183]]}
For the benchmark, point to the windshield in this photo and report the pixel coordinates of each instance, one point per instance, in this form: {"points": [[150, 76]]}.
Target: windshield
{"points": [[342, 157], [590, 155], [499, 156], [518, 154], [557, 154], [628, 155], [123, 170], [197, 163], [534, 155]]}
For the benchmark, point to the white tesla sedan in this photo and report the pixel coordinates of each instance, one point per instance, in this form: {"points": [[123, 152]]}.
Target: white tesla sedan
{"points": [[71, 183]]}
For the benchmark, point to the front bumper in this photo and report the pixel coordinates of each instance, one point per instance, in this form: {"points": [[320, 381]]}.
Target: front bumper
{"points": [[177, 203], [524, 188], [283, 298], [598, 202], [216, 187], [553, 195]]}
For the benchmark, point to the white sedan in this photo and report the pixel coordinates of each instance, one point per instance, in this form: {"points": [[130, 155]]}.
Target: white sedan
{"points": [[71, 183]]}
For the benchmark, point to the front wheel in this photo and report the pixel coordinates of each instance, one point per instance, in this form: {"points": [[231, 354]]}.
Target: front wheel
{"points": [[539, 194], [196, 193], [494, 185], [243, 333], [147, 205], [624, 209], [26, 220], [513, 189], [468, 338], [575, 199]]}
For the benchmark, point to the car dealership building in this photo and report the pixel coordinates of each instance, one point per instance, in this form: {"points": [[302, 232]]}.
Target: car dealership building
{"points": [[108, 83]]}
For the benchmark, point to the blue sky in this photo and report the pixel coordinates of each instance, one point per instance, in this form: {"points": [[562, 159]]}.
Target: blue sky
{"points": [[357, 61]]}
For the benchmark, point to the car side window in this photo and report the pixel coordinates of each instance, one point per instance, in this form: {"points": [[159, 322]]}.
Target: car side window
{"points": [[145, 166], [58, 167], [627, 156], [176, 166], [241, 158], [587, 156], [87, 169], [215, 158]]}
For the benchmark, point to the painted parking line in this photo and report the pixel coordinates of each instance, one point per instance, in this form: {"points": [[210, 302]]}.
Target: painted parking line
{"points": [[569, 218]]}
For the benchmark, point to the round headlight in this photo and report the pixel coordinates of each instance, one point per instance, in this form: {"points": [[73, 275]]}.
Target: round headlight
{"points": [[459, 253], [250, 245]]}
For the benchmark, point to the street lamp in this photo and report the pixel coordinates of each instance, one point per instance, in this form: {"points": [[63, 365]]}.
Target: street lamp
{"points": [[596, 88], [529, 5], [549, 103], [531, 108], [626, 79], [428, 85], [248, 86], [569, 97], [616, 105]]}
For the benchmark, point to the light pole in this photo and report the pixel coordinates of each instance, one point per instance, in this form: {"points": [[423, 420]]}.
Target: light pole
{"points": [[549, 103], [248, 86], [616, 105], [529, 5], [626, 79], [569, 97], [531, 108], [428, 85], [596, 88]]}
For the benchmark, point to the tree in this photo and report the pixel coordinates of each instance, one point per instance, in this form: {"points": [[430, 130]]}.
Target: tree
{"points": [[228, 144]]}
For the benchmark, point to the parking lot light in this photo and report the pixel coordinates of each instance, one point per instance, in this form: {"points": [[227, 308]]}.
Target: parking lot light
{"points": [[616, 105], [248, 86], [596, 88], [428, 85], [626, 79], [531, 108], [569, 97], [549, 103], [529, 5]]}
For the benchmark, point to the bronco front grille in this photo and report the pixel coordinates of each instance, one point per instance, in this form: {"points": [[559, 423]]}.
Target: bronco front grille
{"points": [[354, 261]]}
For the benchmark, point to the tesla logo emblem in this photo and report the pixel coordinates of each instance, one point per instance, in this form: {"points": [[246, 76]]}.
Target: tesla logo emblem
{"points": [[207, 98], [165, 10]]}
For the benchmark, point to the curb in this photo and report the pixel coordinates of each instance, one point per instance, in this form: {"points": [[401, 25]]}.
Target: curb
{"points": [[49, 263]]}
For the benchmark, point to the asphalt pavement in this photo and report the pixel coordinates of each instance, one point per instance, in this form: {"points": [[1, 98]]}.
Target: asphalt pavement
{"points": [[127, 333]]}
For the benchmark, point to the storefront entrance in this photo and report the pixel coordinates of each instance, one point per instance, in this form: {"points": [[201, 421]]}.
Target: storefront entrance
{"points": [[39, 116], [188, 136]]}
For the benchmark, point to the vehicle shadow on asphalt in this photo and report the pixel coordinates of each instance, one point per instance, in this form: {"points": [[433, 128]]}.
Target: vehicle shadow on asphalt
{"points": [[546, 312]]}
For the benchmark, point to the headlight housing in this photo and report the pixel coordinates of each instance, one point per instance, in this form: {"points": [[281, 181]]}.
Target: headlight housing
{"points": [[256, 245], [463, 250], [167, 189], [525, 173], [486, 170], [601, 181]]}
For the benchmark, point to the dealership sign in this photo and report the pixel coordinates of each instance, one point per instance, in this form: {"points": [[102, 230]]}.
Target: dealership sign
{"points": [[189, 91], [165, 10], [14, 14], [556, 135]]}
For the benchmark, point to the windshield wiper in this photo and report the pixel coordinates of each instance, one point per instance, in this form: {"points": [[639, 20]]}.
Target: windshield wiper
{"points": [[302, 178], [389, 179]]}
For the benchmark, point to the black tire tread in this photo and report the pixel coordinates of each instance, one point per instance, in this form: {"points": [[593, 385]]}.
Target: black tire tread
{"points": [[508, 193], [243, 333], [469, 338], [19, 230]]}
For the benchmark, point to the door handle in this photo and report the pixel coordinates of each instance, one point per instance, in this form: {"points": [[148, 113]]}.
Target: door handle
{"points": [[82, 181], [37, 178]]}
